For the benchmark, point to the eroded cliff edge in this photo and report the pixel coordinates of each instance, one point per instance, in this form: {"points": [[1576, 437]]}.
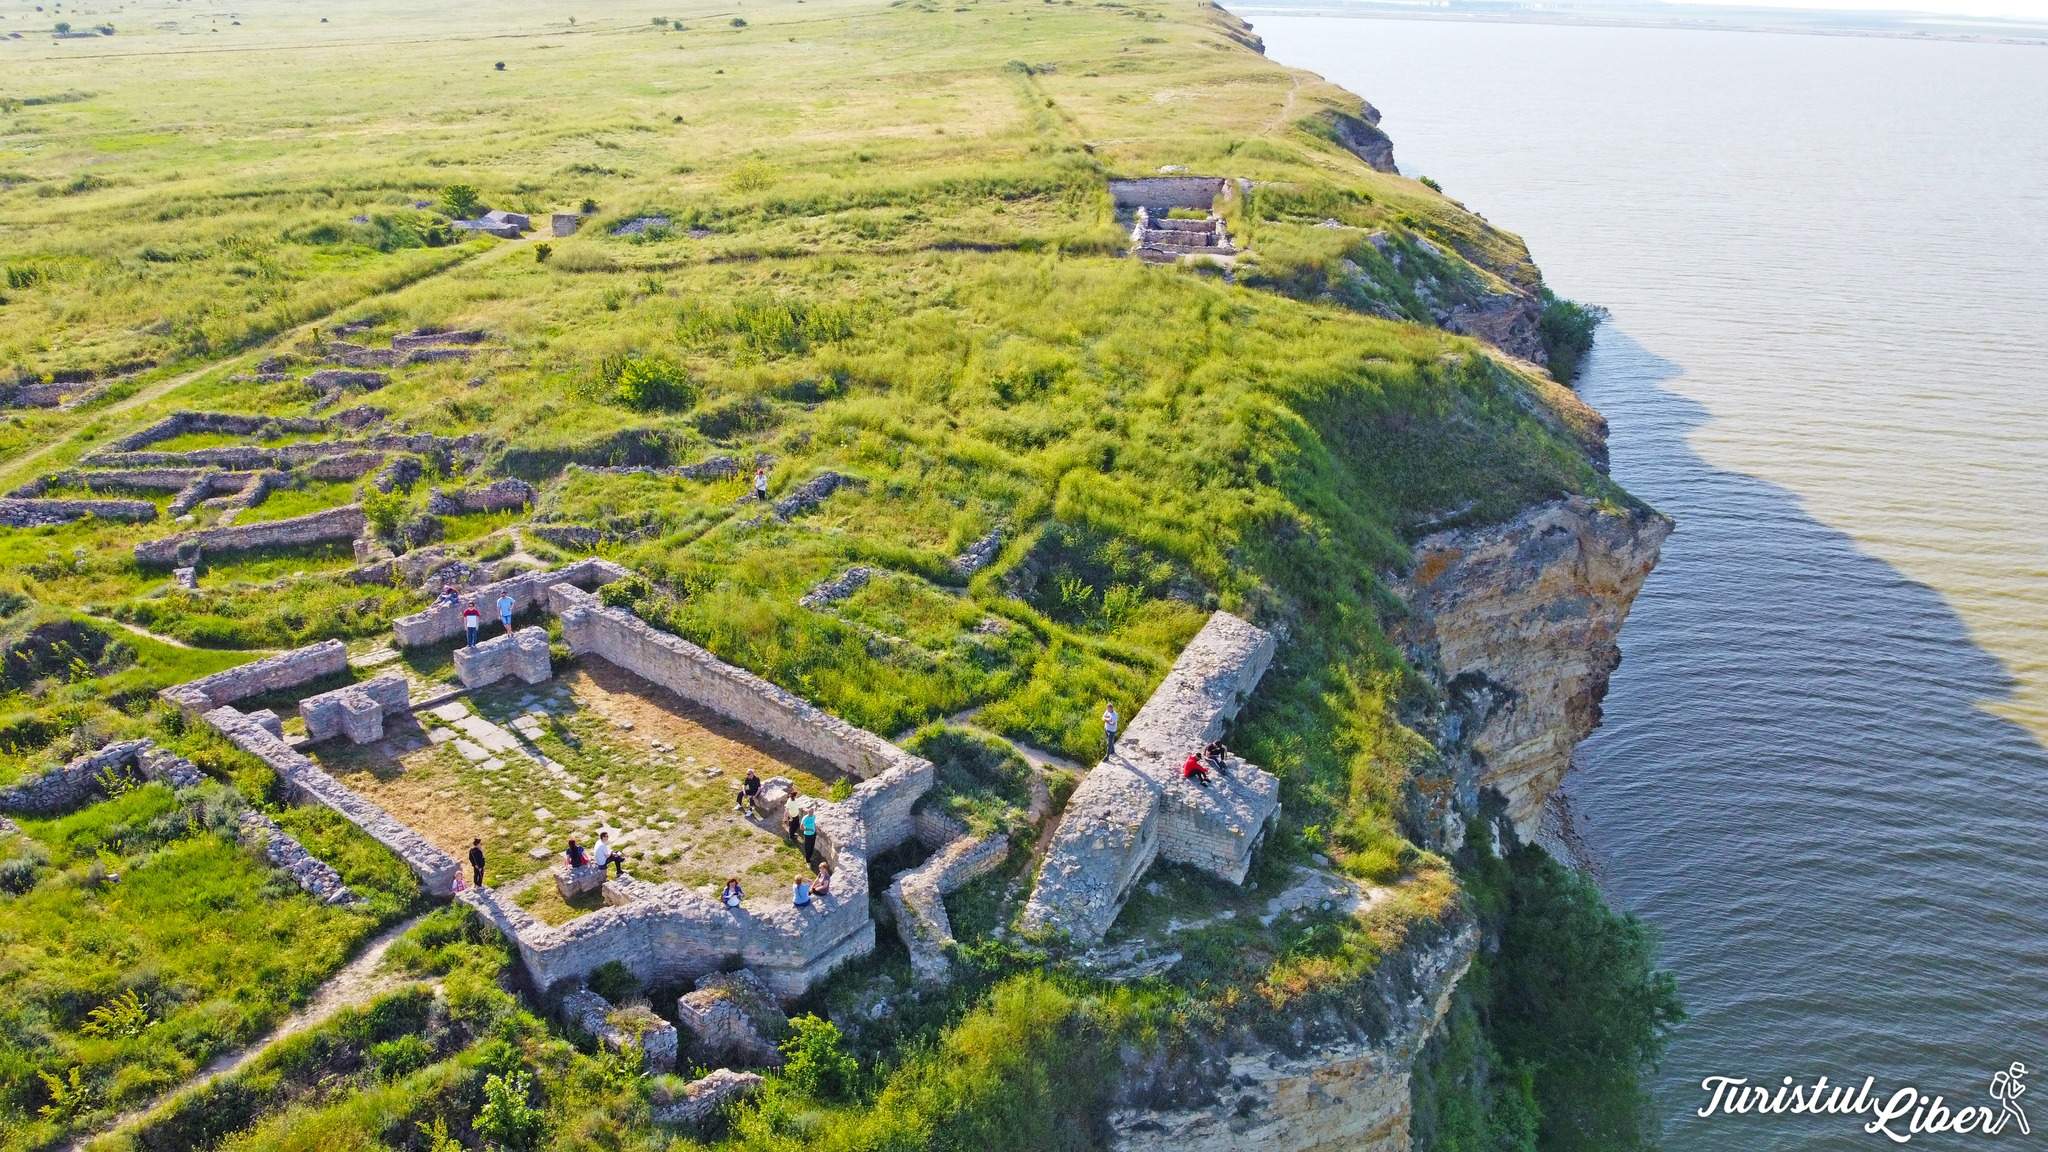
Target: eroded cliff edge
{"points": [[1519, 625]]}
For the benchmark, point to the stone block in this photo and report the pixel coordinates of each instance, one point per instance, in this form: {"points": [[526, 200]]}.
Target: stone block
{"points": [[268, 721], [356, 711], [523, 654], [620, 1028], [702, 1103], [571, 883], [732, 1018]]}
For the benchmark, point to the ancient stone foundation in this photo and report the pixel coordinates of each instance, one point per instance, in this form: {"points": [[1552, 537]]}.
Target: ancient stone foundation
{"points": [[917, 900], [270, 674], [622, 1030], [1135, 807], [356, 711], [31, 513], [528, 591], [344, 523]]}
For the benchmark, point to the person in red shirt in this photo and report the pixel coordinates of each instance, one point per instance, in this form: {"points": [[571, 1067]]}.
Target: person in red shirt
{"points": [[1194, 769], [471, 621]]}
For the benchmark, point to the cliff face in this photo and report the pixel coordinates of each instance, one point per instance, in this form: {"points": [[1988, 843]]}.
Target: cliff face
{"points": [[1518, 621], [1340, 1081]]}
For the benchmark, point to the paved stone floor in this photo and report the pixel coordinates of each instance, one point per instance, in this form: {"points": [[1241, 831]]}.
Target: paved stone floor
{"points": [[527, 766]]}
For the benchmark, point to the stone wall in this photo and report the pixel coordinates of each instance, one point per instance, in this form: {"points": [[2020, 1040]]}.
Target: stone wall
{"points": [[1134, 806], [229, 423], [69, 785], [497, 496], [619, 1031], [1162, 194], [621, 638], [270, 674], [528, 591], [306, 781], [917, 900], [344, 523], [36, 513]]}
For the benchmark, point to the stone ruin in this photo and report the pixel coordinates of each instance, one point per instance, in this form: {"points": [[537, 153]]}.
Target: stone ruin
{"points": [[1134, 807], [1156, 236], [622, 1029], [184, 549], [84, 780], [522, 654], [36, 513], [659, 932]]}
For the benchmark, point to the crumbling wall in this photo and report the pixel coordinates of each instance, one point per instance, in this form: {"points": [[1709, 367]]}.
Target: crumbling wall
{"points": [[344, 523]]}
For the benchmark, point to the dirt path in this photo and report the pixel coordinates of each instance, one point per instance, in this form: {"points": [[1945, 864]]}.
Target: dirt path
{"points": [[360, 981]]}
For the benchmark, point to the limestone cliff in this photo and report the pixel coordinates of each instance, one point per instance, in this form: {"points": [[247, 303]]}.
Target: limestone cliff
{"points": [[1518, 624], [1338, 1080]]}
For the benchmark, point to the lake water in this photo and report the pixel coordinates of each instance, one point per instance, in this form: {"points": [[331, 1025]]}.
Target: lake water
{"points": [[1820, 776]]}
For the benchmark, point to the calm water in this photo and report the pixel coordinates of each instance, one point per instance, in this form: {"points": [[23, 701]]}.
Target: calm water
{"points": [[1822, 766]]}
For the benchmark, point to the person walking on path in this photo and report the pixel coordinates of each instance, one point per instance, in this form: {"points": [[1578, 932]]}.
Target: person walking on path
{"points": [[810, 827], [603, 854], [476, 862], [472, 620], [1109, 720], [505, 611], [761, 485]]}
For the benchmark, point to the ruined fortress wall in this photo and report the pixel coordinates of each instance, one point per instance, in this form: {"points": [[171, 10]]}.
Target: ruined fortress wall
{"points": [[529, 590], [618, 636], [344, 523], [270, 674]]}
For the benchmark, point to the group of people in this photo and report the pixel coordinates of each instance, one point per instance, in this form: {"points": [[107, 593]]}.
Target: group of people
{"points": [[600, 854], [472, 618], [1196, 767]]}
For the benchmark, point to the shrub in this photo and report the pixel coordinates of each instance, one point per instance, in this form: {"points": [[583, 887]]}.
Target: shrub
{"points": [[652, 383], [508, 1118], [815, 1059], [1432, 185], [400, 1055], [614, 982], [1566, 328], [589, 206], [737, 22], [124, 1016], [542, 251], [500, 66], [461, 201], [385, 511]]}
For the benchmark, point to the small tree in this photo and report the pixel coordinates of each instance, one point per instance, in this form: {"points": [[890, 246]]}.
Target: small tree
{"points": [[508, 1118], [815, 1059], [589, 206], [460, 201], [542, 251], [63, 28], [651, 383]]}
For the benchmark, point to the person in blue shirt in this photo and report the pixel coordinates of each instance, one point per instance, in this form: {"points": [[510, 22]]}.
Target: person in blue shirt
{"points": [[505, 611], [801, 893], [810, 827]]}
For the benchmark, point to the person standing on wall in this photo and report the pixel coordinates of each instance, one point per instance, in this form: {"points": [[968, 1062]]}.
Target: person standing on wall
{"points": [[472, 621], [505, 610], [1109, 721], [476, 862]]}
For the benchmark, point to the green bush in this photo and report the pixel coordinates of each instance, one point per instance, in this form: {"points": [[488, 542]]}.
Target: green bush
{"points": [[815, 1060], [461, 201], [508, 1118], [614, 982], [651, 384], [1566, 329], [396, 1057]]}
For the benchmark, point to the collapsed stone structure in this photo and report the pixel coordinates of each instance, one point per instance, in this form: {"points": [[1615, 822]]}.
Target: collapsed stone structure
{"points": [[186, 548], [87, 777], [31, 513], [1134, 807], [1156, 235], [622, 1029]]}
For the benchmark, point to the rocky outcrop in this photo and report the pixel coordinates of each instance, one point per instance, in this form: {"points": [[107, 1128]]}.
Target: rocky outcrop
{"points": [[1357, 133], [1336, 1080], [1518, 624]]}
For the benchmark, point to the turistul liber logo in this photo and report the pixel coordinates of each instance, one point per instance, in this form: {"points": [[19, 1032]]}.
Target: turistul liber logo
{"points": [[1898, 1115]]}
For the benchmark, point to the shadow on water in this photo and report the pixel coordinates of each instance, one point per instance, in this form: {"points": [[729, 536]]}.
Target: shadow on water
{"points": [[1798, 785]]}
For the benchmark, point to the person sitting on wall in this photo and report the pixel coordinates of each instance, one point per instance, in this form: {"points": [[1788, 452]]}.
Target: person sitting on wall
{"points": [[823, 886], [1194, 769], [448, 595], [604, 854], [749, 797], [732, 895], [800, 894], [472, 620], [575, 854], [1218, 757]]}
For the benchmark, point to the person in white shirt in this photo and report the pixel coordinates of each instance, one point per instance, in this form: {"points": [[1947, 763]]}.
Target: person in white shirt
{"points": [[603, 854], [1109, 719]]}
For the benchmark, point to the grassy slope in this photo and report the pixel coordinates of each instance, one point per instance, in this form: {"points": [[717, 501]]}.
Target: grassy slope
{"points": [[905, 269]]}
